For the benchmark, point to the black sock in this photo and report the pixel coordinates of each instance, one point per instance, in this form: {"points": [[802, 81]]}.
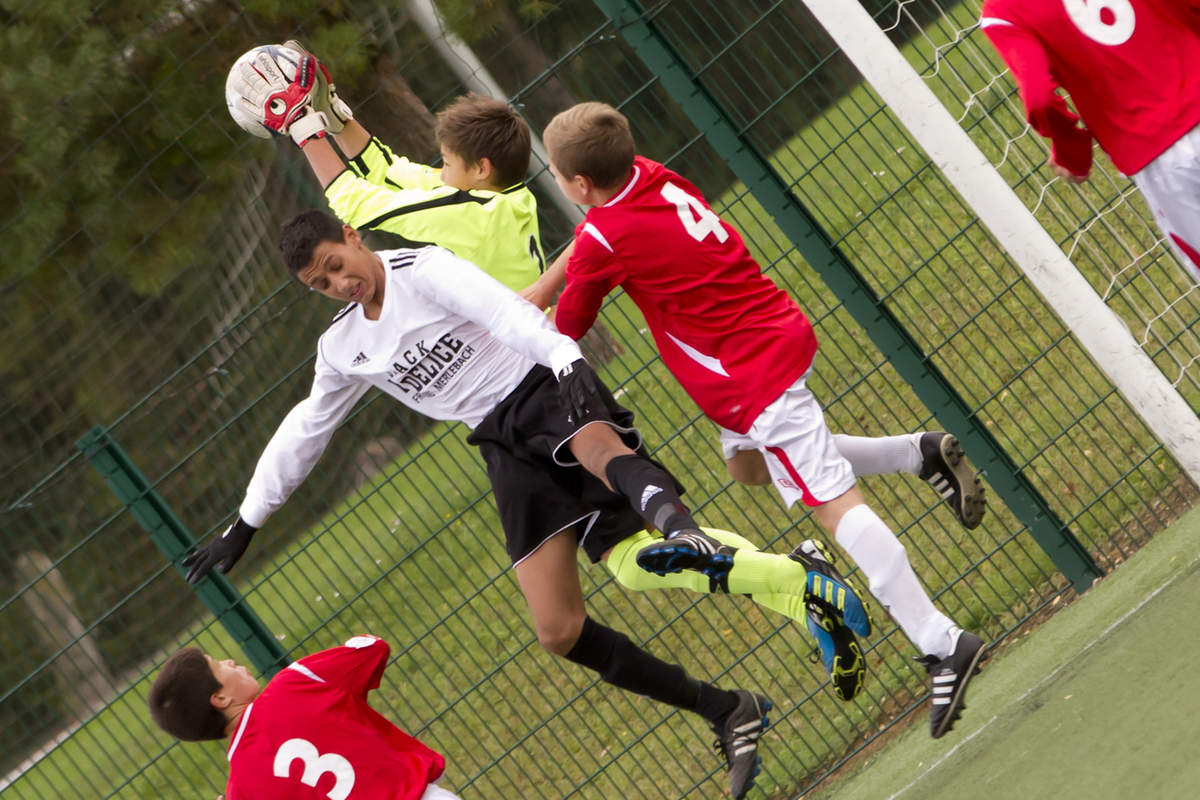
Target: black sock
{"points": [[651, 491], [623, 664], [715, 704]]}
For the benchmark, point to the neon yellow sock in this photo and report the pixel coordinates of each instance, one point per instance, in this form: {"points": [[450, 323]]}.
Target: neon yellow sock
{"points": [[622, 564], [789, 605], [730, 538], [767, 573]]}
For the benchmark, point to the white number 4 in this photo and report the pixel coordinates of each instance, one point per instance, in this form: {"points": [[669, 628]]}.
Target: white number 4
{"points": [[698, 220], [315, 765]]}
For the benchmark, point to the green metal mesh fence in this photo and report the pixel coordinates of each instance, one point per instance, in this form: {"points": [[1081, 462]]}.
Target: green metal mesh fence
{"points": [[144, 294]]}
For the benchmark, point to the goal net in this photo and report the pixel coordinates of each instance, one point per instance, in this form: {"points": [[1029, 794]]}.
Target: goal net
{"points": [[1102, 227]]}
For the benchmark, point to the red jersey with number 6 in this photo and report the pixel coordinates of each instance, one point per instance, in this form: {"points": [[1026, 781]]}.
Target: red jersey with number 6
{"points": [[310, 735], [732, 338], [1131, 67]]}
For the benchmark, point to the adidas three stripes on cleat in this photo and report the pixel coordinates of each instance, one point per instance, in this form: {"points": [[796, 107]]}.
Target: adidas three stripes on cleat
{"points": [[945, 467], [737, 740], [840, 650], [828, 591], [950, 677]]}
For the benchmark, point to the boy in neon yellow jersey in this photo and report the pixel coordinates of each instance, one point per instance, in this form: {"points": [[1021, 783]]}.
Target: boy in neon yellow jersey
{"points": [[477, 205]]}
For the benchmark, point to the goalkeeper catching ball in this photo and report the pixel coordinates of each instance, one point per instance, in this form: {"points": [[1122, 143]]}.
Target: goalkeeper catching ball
{"points": [[440, 329]]}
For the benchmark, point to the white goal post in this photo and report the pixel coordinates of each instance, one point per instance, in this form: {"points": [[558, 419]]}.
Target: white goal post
{"points": [[1099, 330]]}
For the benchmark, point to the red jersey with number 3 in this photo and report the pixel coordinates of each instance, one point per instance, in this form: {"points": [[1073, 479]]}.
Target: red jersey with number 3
{"points": [[732, 338], [1131, 67], [310, 735]]}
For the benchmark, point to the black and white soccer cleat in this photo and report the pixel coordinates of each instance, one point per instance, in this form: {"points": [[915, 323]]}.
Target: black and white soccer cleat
{"points": [[689, 550], [945, 467], [950, 677], [737, 740]]}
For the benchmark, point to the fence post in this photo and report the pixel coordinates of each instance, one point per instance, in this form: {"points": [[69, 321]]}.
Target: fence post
{"points": [[636, 24], [174, 540]]}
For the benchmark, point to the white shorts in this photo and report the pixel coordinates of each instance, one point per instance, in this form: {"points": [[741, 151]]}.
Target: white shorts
{"points": [[435, 792], [799, 450], [1171, 185]]}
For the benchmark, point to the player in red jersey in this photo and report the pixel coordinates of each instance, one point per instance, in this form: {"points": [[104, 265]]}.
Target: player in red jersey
{"points": [[308, 735], [1130, 69], [743, 350]]}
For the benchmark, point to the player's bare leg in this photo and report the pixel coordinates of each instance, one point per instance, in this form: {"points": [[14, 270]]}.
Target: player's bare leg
{"points": [[595, 446], [549, 579]]}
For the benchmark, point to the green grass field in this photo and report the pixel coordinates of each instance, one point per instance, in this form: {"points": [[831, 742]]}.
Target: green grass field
{"points": [[1097, 703]]}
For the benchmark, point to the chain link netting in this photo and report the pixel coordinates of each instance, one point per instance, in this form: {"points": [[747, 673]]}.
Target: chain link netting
{"points": [[145, 294]]}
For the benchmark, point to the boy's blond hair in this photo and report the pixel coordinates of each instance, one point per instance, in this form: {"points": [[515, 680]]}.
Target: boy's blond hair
{"points": [[592, 140], [475, 127]]}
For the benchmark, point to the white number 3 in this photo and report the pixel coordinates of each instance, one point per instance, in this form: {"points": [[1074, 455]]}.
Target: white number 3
{"points": [[698, 220], [315, 765], [1112, 28]]}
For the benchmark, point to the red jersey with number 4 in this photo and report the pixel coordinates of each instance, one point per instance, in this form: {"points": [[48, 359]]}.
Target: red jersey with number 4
{"points": [[1131, 67], [310, 735], [732, 338]]}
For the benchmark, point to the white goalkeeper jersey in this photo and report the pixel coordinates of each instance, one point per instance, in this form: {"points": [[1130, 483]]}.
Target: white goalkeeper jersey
{"points": [[451, 342]]}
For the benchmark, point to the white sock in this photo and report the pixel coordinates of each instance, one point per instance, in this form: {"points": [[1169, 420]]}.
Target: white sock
{"points": [[883, 559], [879, 455]]}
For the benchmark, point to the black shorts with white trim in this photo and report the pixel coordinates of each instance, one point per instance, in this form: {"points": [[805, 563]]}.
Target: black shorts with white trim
{"points": [[538, 495]]}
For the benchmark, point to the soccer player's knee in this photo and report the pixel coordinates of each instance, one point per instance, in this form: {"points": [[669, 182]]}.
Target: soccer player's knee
{"points": [[595, 447], [559, 636], [748, 467]]}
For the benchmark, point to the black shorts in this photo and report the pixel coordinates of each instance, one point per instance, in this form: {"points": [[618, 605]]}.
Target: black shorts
{"points": [[539, 495]]}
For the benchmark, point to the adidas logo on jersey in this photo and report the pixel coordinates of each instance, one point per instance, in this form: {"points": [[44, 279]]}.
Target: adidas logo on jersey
{"points": [[361, 358]]}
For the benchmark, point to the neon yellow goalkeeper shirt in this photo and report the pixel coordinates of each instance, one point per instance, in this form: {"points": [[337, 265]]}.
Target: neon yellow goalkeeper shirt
{"points": [[498, 231]]}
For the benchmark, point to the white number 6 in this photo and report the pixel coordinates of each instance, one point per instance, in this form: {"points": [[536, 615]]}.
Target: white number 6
{"points": [[315, 765], [1112, 29], [698, 220]]}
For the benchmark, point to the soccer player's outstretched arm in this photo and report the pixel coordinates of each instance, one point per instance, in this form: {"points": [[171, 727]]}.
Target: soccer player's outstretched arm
{"points": [[460, 286], [1045, 109], [284, 464], [374, 161], [324, 161]]}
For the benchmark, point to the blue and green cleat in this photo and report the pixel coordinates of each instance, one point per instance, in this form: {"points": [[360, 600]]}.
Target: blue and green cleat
{"points": [[827, 591]]}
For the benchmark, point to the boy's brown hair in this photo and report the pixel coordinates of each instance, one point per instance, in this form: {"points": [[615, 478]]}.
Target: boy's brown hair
{"points": [[475, 127], [301, 234], [180, 697], [592, 140]]}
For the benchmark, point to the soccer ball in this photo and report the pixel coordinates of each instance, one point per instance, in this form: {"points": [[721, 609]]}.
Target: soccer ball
{"points": [[277, 66]]}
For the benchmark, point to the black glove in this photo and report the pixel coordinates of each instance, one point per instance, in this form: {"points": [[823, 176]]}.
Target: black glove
{"points": [[579, 390], [222, 552]]}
